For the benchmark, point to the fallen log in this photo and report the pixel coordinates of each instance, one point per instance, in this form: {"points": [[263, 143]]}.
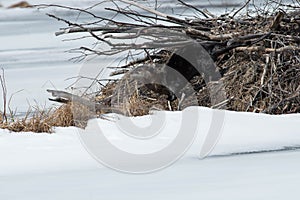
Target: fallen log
{"points": [[66, 97]]}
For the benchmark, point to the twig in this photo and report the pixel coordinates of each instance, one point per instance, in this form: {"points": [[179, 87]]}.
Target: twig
{"points": [[268, 50], [153, 11], [239, 10], [193, 7], [4, 95]]}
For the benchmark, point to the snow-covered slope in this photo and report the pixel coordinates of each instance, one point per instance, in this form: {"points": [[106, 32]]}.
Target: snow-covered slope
{"points": [[57, 166], [62, 150]]}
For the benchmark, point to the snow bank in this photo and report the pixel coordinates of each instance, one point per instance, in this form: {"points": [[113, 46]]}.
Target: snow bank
{"points": [[250, 132], [23, 153], [241, 133]]}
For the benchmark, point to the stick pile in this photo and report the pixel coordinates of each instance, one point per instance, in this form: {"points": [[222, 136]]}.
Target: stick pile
{"points": [[256, 55]]}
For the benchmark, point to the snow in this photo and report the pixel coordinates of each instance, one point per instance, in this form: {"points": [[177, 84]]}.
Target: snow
{"points": [[259, 176], [57, 166], [24, 153], [249, 132]]}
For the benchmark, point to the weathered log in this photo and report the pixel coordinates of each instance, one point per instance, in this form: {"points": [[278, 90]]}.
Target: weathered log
{"points": [[66, 97], [207, 35], [268, 50]]}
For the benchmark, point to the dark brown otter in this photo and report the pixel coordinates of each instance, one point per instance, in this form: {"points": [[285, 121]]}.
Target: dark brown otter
{"points": [[186, 63]]}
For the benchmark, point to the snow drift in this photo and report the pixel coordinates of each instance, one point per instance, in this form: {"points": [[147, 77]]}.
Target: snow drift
{"points": [[62, 150]]}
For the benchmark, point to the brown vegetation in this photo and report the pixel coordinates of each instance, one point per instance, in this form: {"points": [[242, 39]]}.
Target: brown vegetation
{"points": [[22, 4], [39, 121]]}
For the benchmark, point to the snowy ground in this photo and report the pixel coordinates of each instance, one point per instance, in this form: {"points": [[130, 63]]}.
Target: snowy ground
{"points": [[57, 166], [256, 157], [261, 176]]}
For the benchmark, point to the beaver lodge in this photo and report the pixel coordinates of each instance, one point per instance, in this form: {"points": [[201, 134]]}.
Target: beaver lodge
{"points": [[246, 60]]}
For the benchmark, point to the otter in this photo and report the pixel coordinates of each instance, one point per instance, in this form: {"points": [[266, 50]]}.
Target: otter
{"points": [[171, 79], [186, 63]]}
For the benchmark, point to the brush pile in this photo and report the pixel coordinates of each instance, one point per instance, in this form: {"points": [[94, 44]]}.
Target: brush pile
{"points": [[255, 54]]}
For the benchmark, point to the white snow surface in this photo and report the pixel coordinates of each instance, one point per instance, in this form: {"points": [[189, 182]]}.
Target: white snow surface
{"points": [[57, 166], [23, 153]]}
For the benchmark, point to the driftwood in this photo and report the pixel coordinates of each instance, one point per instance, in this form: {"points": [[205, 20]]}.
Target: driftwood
{"points": [[65, 97], [268, 50], [93, 106]]}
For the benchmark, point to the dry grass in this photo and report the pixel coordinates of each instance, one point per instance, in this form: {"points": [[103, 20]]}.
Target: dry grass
{"points": [[43, 121]]}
